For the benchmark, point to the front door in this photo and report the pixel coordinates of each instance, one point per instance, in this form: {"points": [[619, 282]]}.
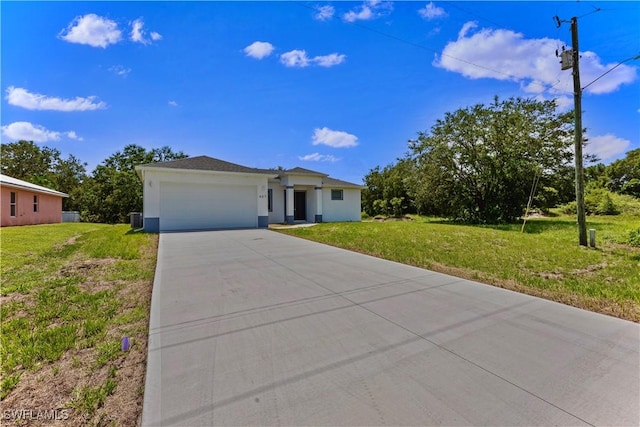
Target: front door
{"points": [[300, 205]]}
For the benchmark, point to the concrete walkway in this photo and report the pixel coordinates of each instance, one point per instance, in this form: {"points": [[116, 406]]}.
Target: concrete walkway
{"points": [[253, 327]]}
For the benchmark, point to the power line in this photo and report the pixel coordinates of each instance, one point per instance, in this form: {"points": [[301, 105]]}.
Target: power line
{"points": [[430, 49], [611, 69], [474, 14]]}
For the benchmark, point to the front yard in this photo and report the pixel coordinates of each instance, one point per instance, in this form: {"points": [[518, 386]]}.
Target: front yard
{"points": [[544, 261], [70, 293]]}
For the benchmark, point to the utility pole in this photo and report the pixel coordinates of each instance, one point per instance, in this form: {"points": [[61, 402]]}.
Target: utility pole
{"points": [[577, 102]]}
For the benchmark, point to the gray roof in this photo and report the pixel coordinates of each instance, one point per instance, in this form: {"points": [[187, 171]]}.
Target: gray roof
{"points": [[206, 163], [303, 171], [332, 182], [18, 183]]}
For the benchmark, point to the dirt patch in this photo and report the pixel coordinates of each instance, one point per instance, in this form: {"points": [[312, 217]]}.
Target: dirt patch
{"points": [[61, 388], [392, 218], [550, 275], [81, 267], [590, 269]]}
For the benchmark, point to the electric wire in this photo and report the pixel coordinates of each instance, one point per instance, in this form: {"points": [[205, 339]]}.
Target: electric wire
{"points": [[611, 69], [437, 52]]}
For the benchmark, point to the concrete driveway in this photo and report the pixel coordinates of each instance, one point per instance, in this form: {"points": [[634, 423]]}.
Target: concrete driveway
{"points": [[253, 327]]}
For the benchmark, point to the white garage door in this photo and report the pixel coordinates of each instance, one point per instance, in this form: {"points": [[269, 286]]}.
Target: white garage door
{"points": [[203, 206]]}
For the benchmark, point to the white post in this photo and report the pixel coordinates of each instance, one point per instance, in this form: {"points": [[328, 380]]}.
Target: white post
{"points": [[289, 214], [318, 204]]}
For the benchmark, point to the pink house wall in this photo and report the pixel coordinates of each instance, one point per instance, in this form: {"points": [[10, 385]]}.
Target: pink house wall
{"points": [[49, 208]]}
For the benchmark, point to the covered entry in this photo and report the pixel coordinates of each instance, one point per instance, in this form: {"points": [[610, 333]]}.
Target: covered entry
{"points": [[300, 205]]}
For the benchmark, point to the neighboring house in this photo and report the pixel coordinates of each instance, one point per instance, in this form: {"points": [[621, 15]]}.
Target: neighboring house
{"points": [[199, 193], [24, 203]]}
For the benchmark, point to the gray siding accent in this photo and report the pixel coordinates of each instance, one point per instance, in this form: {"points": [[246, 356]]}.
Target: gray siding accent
{"points": [[289, 219], [151, 225], [318, 218], [263, 221]]}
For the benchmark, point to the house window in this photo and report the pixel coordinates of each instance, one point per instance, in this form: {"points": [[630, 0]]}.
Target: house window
{"points": [[13, 204], [336, 195], [35, 203], [270, 199]]}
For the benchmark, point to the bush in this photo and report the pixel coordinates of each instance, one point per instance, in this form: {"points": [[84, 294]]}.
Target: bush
{"points": [[599, 201], [396, 205], [380, 207], [570, 208], [634, 237], [607, 207]]}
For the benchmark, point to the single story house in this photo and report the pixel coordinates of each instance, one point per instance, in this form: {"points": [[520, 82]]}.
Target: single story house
{"points": [[199, 193], [24, 203]]}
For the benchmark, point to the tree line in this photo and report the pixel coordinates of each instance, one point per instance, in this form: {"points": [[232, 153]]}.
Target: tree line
{"points": [[107, 195], [479, 164], [483, 163]]}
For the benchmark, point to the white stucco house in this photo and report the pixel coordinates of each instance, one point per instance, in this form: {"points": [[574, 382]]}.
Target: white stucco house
{"points": [[203, 193]]}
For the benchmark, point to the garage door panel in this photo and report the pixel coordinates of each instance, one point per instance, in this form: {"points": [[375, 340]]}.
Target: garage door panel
{"points": [[205, 206]]}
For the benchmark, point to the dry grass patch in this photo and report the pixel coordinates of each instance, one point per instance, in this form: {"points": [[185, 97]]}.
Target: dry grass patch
{"points": [[88, 287]]}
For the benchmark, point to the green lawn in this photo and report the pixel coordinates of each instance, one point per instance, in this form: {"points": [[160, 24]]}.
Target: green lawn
{"points": [[69, 293], [544, 261]]}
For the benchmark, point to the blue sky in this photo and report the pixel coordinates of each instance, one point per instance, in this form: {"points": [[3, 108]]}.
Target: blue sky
{"points": [[337, 87]]}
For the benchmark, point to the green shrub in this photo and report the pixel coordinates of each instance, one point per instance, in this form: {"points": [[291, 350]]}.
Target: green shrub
{"points": [[380, 207], [396, 205], [607, 207], [570, 208], [634, 237]]}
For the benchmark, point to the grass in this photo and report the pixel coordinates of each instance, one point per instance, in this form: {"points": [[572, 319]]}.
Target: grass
{"points": [[545, 261], [69, 293]]}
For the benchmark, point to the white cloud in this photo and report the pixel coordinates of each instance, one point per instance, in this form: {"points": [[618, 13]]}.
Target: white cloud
{"points": [[506, 55], [431, 11], [368, 10], [72, 135], [36, 133], [607, 147], [317, 157], [34, 101], [591, 68], [333, 138], [468, 26], [295, 58], [92, 30], [564, 103], [259, 50], [329, 60], [173, 103], [299, 58], [324, 13], [120, 70], [138, 33]]}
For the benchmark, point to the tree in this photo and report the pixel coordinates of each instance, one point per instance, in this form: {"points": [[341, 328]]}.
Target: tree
{"points": [[387, 184], [624, 174], [44, 166], [114, 190], [25, 160], [477, 164]]}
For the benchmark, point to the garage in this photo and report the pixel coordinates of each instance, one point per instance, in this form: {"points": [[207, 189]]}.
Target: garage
{"points": [[191, 206]]}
